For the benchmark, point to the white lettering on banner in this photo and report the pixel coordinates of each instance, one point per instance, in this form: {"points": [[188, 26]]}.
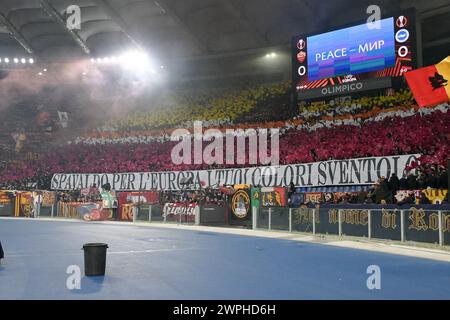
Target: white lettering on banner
{"points": [[179, 209], [363, 171]]}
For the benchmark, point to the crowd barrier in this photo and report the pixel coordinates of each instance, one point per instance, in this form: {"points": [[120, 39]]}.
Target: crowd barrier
{"points": [[93, 211], [27, 203], [418, 223], [206, 215], [155, 213]]}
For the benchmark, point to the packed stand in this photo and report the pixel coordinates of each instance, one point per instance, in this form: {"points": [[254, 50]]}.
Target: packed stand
{"points": [[342, 128], [427, 135]]}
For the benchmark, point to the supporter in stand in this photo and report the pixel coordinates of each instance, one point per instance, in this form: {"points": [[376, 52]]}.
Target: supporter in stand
{"points": [[215, 107], [443, 178], [423, 198], [382, 192], [421, 180], [291, 191], [361, 196], [394, 183], [403, 183], [412, 181], [345, 199], [205, 196], [409, 199]]}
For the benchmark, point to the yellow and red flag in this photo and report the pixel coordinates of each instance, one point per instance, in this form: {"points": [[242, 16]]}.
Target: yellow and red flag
{"points": [[430, 85]]}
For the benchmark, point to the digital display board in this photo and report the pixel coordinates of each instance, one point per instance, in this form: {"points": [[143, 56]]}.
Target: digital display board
{"points": [[354, 59]]}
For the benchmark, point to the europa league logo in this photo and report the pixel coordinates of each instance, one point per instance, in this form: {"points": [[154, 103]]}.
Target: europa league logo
{"points": [[402, 22], [301, 44]]}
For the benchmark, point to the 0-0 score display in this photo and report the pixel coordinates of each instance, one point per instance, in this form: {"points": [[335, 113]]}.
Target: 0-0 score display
{"points": [[353, 58]]}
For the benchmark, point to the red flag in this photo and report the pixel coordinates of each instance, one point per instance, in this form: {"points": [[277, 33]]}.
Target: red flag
{"points": [[430, 85]]}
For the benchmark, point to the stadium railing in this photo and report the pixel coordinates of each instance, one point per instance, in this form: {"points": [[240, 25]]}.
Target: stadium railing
{"points": [[156, 213], [415, 223], [206, 215], [427, 223]]}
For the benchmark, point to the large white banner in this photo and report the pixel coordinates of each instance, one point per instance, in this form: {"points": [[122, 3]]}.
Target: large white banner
{"points": [[364, 171]]}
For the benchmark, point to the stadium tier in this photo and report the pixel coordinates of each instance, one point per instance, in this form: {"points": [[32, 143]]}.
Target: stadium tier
{"points": [[177, 109], [224, 149], [365, 127]]}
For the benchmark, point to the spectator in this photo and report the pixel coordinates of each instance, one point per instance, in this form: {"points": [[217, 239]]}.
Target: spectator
{"points": [[403, 183], [412, 182], [394, 183], [423, 198], [421, 181], [361, 197], [432, 179], [443, 178], [409, 199], [382, 192]]}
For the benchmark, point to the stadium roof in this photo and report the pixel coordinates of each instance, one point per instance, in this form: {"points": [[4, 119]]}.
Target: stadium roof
{"points": [[193, 30]]}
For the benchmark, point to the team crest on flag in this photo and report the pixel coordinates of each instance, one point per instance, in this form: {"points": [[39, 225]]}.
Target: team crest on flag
{"points": [[240, 204], [430, 84], [438, 81]]}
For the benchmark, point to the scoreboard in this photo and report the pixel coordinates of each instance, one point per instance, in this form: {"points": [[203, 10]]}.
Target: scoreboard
{"points": [[354, 59]]}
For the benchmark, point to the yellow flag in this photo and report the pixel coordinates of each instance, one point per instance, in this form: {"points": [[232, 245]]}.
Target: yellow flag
{"points": [[443, 68]]}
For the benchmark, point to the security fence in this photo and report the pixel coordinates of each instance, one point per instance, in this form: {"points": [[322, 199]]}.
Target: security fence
{"points": [[161, 213], [419, 224], [207, 215], [212, 215], [46, 211]]}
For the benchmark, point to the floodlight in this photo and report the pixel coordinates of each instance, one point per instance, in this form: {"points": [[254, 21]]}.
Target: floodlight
{"points": [[135, 60]]}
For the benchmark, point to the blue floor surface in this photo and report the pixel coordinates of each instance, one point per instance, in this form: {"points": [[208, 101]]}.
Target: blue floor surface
{"points": [[154, 263]]}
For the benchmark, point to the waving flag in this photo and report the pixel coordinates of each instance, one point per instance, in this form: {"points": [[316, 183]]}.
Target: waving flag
{"points": [[430, 85]]}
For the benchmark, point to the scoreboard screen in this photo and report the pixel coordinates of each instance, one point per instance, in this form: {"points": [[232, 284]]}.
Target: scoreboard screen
{"points": [[354, 59]]}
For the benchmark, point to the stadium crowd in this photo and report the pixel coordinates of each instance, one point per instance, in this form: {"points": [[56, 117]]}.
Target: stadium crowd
{"points": [[215, 108], [203, 196], [339, 129]]}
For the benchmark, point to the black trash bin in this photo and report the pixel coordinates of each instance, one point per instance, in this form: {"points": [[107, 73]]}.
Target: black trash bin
{"points": [[2, 255], [95, 259]]}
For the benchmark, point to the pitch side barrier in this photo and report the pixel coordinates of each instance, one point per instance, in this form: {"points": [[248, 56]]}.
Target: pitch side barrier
{"points": [[205, 215], [181, 213], [419, 223], [25, 204]]}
